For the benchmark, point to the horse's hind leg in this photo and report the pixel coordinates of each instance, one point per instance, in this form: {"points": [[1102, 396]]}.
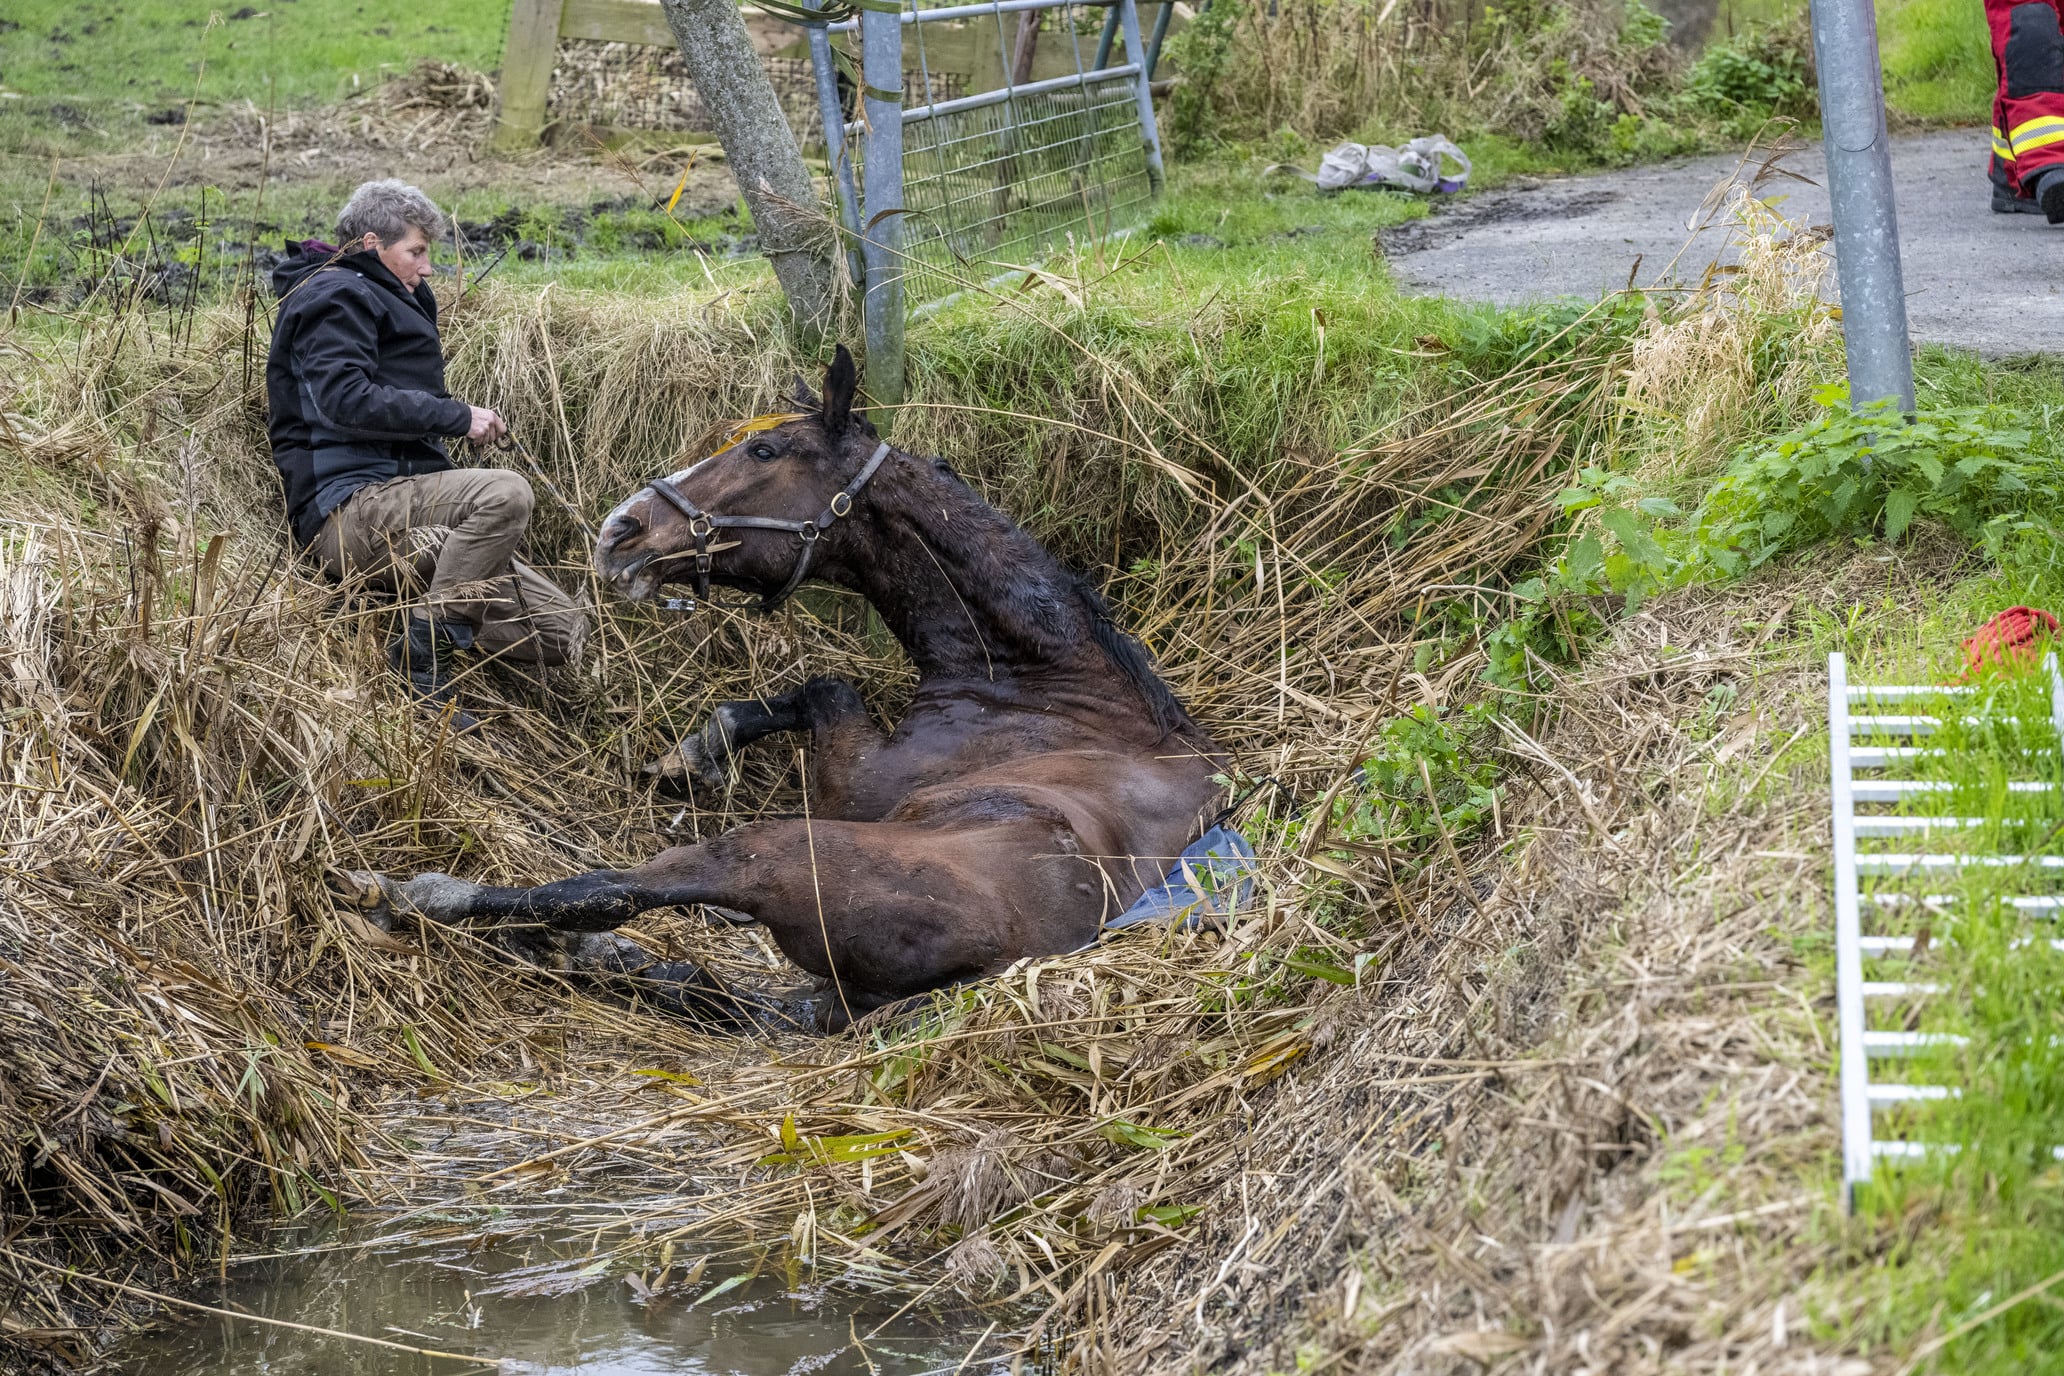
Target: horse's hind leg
{"points": [[598, 901], [682, 988], [883, 909], [706, 757]]}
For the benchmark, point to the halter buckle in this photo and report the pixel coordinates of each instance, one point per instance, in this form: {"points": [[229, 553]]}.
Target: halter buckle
{"points": [[841, 504]]}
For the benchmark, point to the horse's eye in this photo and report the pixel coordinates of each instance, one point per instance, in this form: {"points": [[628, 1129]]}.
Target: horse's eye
{"points": [[763, 452]]}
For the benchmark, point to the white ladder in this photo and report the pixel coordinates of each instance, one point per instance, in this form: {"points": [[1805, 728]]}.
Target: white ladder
{"points": [[1861, 1045]]}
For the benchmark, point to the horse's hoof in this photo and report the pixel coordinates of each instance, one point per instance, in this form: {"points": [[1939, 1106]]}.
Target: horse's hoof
{"points": [[439, 898], [374, 896], [690, 763]]}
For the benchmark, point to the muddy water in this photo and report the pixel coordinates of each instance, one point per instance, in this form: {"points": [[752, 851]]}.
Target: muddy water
{"points": [[533, 1307]]}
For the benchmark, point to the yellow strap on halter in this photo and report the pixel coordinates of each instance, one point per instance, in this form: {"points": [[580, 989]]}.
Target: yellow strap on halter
{"points": [[757, 424]]}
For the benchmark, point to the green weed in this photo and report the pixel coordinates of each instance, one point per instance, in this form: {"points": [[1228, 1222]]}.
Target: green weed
{"points": [[1763, 72], [1429, 781], [1866, 474], [1845, 475], [1203, 52]]}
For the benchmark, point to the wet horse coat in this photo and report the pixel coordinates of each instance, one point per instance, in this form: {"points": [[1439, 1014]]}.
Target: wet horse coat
{"points": [[1041, 778]]}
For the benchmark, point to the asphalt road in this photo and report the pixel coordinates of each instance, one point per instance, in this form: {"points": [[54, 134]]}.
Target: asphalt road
{"points": [[1993, 283]]}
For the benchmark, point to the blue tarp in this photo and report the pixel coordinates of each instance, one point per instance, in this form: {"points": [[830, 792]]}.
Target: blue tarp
{"points": [[1211, 878]]}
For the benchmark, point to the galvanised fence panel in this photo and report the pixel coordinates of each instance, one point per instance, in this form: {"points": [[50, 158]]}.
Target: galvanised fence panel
{"points": [[947, 192]]}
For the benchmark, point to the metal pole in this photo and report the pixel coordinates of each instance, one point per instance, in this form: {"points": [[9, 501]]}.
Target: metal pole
{"points": [[1106, 39], [1859, 161], [834, 117], [1161, 35], [1150, 135], [881, 67]]}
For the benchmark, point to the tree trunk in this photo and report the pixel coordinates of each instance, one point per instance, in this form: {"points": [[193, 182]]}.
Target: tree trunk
{"points": [[794, 232], [1026, 49]]}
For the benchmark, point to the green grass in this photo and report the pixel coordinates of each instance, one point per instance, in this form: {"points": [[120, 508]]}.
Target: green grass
{"points": [[110, 62], [1937, 54], [1938, 60]]}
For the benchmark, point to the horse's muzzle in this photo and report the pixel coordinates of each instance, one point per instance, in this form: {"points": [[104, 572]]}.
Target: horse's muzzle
{"points": [[630, 573], [636, 579]]}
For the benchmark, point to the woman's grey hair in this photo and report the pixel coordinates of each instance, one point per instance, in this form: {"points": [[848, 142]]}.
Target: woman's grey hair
{"points": [[388, 208]]}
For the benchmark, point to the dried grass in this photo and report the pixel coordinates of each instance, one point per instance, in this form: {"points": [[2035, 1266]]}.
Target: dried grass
{"points": [[1327, 69], [1707, 372], [1628, 1168]]}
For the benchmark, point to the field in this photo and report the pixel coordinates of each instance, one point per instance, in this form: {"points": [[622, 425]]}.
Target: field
{"points": [[1520, 1061], [1938, 60], [113, 67]]}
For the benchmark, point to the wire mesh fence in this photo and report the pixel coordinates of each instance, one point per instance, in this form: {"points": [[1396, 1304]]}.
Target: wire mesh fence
{"points": [[1000, 185], [999, 179]]}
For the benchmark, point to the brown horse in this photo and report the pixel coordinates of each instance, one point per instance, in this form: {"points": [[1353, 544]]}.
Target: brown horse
{"points": [[1040, 780]]}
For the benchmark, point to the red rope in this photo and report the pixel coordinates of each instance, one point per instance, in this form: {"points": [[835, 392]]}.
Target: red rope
{"points": [[2009, 638]]}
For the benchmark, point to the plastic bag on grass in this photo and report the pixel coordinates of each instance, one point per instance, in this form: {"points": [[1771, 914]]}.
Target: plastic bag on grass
{"points": [[1419, 167]]}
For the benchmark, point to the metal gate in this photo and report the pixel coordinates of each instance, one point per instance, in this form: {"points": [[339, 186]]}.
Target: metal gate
{"points": [[947, 191]]}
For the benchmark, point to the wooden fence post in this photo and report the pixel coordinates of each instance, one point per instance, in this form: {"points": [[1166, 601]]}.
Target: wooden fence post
{"points": [[526, 73]]}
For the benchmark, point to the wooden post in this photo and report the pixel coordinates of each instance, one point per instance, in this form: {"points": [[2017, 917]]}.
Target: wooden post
{"points": [[526, 82]]}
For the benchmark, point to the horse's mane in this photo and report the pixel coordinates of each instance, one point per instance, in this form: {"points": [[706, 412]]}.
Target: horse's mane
{"points": [[1123, 651], [1130, 659]]}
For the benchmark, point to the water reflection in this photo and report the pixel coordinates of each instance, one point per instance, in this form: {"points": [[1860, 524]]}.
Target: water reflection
{"points": [[532, 1307]]}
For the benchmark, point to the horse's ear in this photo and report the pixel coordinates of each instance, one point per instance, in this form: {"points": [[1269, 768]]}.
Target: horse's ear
{"points": [[805, 398], [840, 382]]}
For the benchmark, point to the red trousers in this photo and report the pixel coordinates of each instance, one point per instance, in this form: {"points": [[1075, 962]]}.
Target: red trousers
{"points": [[2028, 111]]}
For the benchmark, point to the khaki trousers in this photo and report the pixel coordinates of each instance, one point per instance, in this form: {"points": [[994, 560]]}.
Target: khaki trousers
{"points": [[449, 540]]}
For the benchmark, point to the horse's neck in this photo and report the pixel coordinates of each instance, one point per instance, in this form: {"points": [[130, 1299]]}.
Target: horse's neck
{"points": [[968, 594]]}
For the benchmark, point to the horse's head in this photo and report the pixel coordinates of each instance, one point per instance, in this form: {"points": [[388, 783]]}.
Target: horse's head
{"points": [[753, 514]]}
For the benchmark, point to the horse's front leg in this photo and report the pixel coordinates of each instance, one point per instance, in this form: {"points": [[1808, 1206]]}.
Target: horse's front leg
{"points": [[830, 709]]}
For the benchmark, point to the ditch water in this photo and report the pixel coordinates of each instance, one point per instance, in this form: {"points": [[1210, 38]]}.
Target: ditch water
{"points": [[538, 1306]]}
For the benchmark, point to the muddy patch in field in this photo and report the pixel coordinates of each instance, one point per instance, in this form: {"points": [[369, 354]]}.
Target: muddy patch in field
{"points": [[357, 1298], [1524, 203]]}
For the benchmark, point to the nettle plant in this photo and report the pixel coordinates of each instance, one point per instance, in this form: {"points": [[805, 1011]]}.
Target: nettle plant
{"points": [[1859, 475], [1863, 474]]}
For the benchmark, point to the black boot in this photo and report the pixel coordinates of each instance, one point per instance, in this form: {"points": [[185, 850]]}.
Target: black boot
{"points": [[2049, 193], [423, 654], [2007, 203]]}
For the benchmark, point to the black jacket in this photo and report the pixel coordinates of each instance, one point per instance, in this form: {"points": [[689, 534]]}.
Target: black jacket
{"points": [[354, 383]]}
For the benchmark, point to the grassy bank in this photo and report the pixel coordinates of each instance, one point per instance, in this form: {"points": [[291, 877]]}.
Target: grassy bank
{"points": [[1938, 61]]}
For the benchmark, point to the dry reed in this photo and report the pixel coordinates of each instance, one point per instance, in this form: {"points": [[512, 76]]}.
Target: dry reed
{"points": [[1707, 373], [1392, 69]]}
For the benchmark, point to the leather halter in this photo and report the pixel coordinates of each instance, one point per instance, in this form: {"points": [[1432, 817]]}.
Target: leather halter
{"points": [[701, 525]]}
